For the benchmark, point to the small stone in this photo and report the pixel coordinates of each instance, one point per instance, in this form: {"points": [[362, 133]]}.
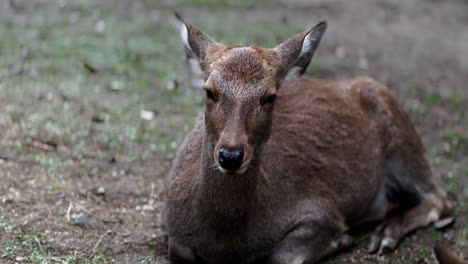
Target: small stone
{"points": [[172, 85], [116, 85], [19, 259], [148, 207], [98, 191], [448, 235], [100, 26], [81, 219], [146, 115], [8, 157]]}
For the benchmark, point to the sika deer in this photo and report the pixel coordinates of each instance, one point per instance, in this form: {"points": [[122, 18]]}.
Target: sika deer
{"points": [[444, 255], [281, 167]]}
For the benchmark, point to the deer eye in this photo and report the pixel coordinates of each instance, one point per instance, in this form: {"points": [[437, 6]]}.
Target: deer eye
{"points": [[210, 95], [268, 100]]}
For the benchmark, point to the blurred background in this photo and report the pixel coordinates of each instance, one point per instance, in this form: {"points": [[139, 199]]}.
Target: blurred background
{"points": [[95, 98]]}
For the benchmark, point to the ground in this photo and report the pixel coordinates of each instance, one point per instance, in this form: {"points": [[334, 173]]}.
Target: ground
{"points": [[95, 99]]}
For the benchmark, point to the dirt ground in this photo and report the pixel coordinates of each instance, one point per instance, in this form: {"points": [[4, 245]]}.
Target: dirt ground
{"points": [[95, 98]]}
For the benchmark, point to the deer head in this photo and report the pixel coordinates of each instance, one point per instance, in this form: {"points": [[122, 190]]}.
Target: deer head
{"points": [[241, 84]]}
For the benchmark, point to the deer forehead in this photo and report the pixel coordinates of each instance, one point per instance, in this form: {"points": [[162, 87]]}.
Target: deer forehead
{"points": [[243, 71]]}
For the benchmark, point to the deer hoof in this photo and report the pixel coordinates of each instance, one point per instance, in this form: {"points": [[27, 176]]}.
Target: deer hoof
{"points": [[373, 244], [444, 223], [387, 245], [344, 242]]}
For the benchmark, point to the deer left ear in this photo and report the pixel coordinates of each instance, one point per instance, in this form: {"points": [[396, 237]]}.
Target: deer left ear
{"points": [[297, 52], [197, 43]]}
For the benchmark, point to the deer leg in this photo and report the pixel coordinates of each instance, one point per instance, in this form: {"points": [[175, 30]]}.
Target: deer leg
{"points": [[180, 254], [392, 230], [305, 245]]}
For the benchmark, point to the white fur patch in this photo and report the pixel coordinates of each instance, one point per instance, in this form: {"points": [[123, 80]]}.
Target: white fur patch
{"points": [[432, 216], [293, 73], [183, 31], [307, 44]]}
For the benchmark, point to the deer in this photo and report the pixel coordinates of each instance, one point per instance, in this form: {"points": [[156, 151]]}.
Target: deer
{"points": [[445, 255], [281, 166]]}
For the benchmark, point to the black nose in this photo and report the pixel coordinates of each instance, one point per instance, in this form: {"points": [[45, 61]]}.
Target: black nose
{"points": [[231, 159]]}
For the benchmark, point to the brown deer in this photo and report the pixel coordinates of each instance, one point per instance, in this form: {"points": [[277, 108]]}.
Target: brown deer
{"points": [[445, 255], [282, 166]]}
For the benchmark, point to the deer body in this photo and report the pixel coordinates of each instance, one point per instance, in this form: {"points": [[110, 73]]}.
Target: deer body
{"points": [[329, 156]]}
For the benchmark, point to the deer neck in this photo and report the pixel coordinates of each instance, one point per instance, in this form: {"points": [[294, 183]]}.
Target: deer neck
{"points": [[224, 198]]}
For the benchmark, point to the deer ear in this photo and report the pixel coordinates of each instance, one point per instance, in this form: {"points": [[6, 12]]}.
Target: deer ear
{"points": [[297, 52], [197, 43]]}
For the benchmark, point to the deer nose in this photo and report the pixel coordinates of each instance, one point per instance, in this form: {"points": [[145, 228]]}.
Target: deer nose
{"points": [[231, 159]]}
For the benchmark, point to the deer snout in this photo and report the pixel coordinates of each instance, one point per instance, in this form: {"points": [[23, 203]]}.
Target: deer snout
{"points": [[231, 159]]}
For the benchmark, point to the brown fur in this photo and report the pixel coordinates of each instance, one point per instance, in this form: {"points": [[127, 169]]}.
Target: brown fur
{"points": [[323, 158], [446, 256]]}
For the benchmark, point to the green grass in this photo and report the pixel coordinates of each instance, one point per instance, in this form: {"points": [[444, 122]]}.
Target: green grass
{"points": [[423, 253], [130, 75], [455, 103], [456, 142], [48, 100], [26, 247], [436, 235]]}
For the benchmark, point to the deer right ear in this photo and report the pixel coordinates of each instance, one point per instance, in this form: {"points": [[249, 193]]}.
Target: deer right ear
{"points": [[197, 43], [297, 52]]}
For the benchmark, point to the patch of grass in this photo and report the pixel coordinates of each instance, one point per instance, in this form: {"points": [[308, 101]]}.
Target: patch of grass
{"points": [[433, 100], [454, 185], [152, 244], [26, 246], [6, 227], [436, 236], [456, 142], [147, 260], [423, 253], [456, 103], [58, 96]]}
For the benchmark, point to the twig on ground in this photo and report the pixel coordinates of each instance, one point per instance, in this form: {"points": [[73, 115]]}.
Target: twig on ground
{"points": [[99, 242], [6, 254], [39, 244], [70, 206], [45, 145], [152, 195]]}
